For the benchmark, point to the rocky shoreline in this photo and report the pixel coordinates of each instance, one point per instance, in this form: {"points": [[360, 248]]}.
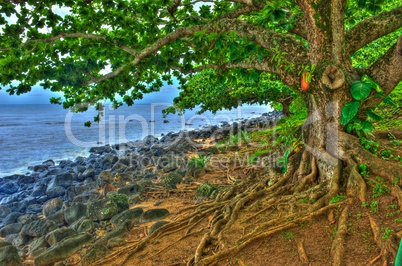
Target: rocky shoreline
{"points": [[56, 209]]}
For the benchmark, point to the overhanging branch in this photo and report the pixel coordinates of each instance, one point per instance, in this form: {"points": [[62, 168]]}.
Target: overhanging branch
{"points": [[387, 70], [293, 48], [372, 28]]}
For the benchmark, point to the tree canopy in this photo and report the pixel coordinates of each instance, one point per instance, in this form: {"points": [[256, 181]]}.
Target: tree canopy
{"points": [[247, 50]]}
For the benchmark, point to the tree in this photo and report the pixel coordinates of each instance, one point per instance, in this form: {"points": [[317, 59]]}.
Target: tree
{"points": [[236, 42]]}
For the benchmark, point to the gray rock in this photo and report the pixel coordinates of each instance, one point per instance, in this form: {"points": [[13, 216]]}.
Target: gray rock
{"points": [[39, 190], [38, 243], [4, 211], [38, 228], [9, 229], [57, 217], [40, 168], [153, 215], [74, 212], [129, 190], [9, 188], [52, 206], [100, 210], [49, 163], [63, 180], [89, 173], [119, 167], [27, 218], [19, 240], [62, 250], [148, 140], [56, 191], [57, 235], [9, 254], [34, 209], [11, 218], [72, 192], [86, 226], [156, 226], [110, 159], [126, 216], [105, 177]]}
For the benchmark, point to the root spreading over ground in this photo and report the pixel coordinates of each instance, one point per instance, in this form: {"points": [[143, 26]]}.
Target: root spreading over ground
{"points": [[301, 217]]}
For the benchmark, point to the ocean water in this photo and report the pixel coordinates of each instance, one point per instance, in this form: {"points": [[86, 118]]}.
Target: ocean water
{"points": [[31, 134]]}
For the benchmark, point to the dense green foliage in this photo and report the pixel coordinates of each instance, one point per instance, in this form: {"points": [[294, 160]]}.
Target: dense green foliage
{"points": [[222, 53]]}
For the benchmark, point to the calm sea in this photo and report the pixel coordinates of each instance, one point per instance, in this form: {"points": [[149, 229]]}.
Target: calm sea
{"points": [[31, 134]]}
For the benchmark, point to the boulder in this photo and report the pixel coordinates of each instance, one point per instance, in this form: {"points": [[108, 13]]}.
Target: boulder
{"points": [[34, 209], [52, 206], [129, 190], [108, 207], [57, 235], [110, 159], [156, 226], [49, 163], [11, 218], [4, 211], [9, 188], [27, 218], [37, 244], [55, 191], [100, 210], [40, 168], [19, 240], [9, 254], [38, 228], [153, 215], [63, 180], [126, 216], [83, 225], [172, 179], [57, 217], [74, 212], [62, 250], [39, 190], [72, 192], [88, 173], [121, 200], [9, 229]]}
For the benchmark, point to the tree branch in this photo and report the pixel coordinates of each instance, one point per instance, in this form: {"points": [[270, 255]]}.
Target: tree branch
{"points": [[73, 35], [299, 27], [387, 70], [293, 48], [372, 28]]}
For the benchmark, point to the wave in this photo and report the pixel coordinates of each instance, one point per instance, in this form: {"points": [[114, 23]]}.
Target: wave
{"points": [[11, 125]]}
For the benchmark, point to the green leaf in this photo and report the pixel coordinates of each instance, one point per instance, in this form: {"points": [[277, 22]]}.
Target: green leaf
{"points": [[349, 111], [367, 127], [360, 90], [389, 101], [374, 85], [372, 115]]}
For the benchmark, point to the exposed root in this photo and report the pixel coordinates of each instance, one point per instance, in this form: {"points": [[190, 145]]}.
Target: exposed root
{"points": [[388, 246], [285, 204], [302, 252], [356, 186], [397, 192], [200, 249], [337, 248], [261, 232], [309, 179], [175, 242]]}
